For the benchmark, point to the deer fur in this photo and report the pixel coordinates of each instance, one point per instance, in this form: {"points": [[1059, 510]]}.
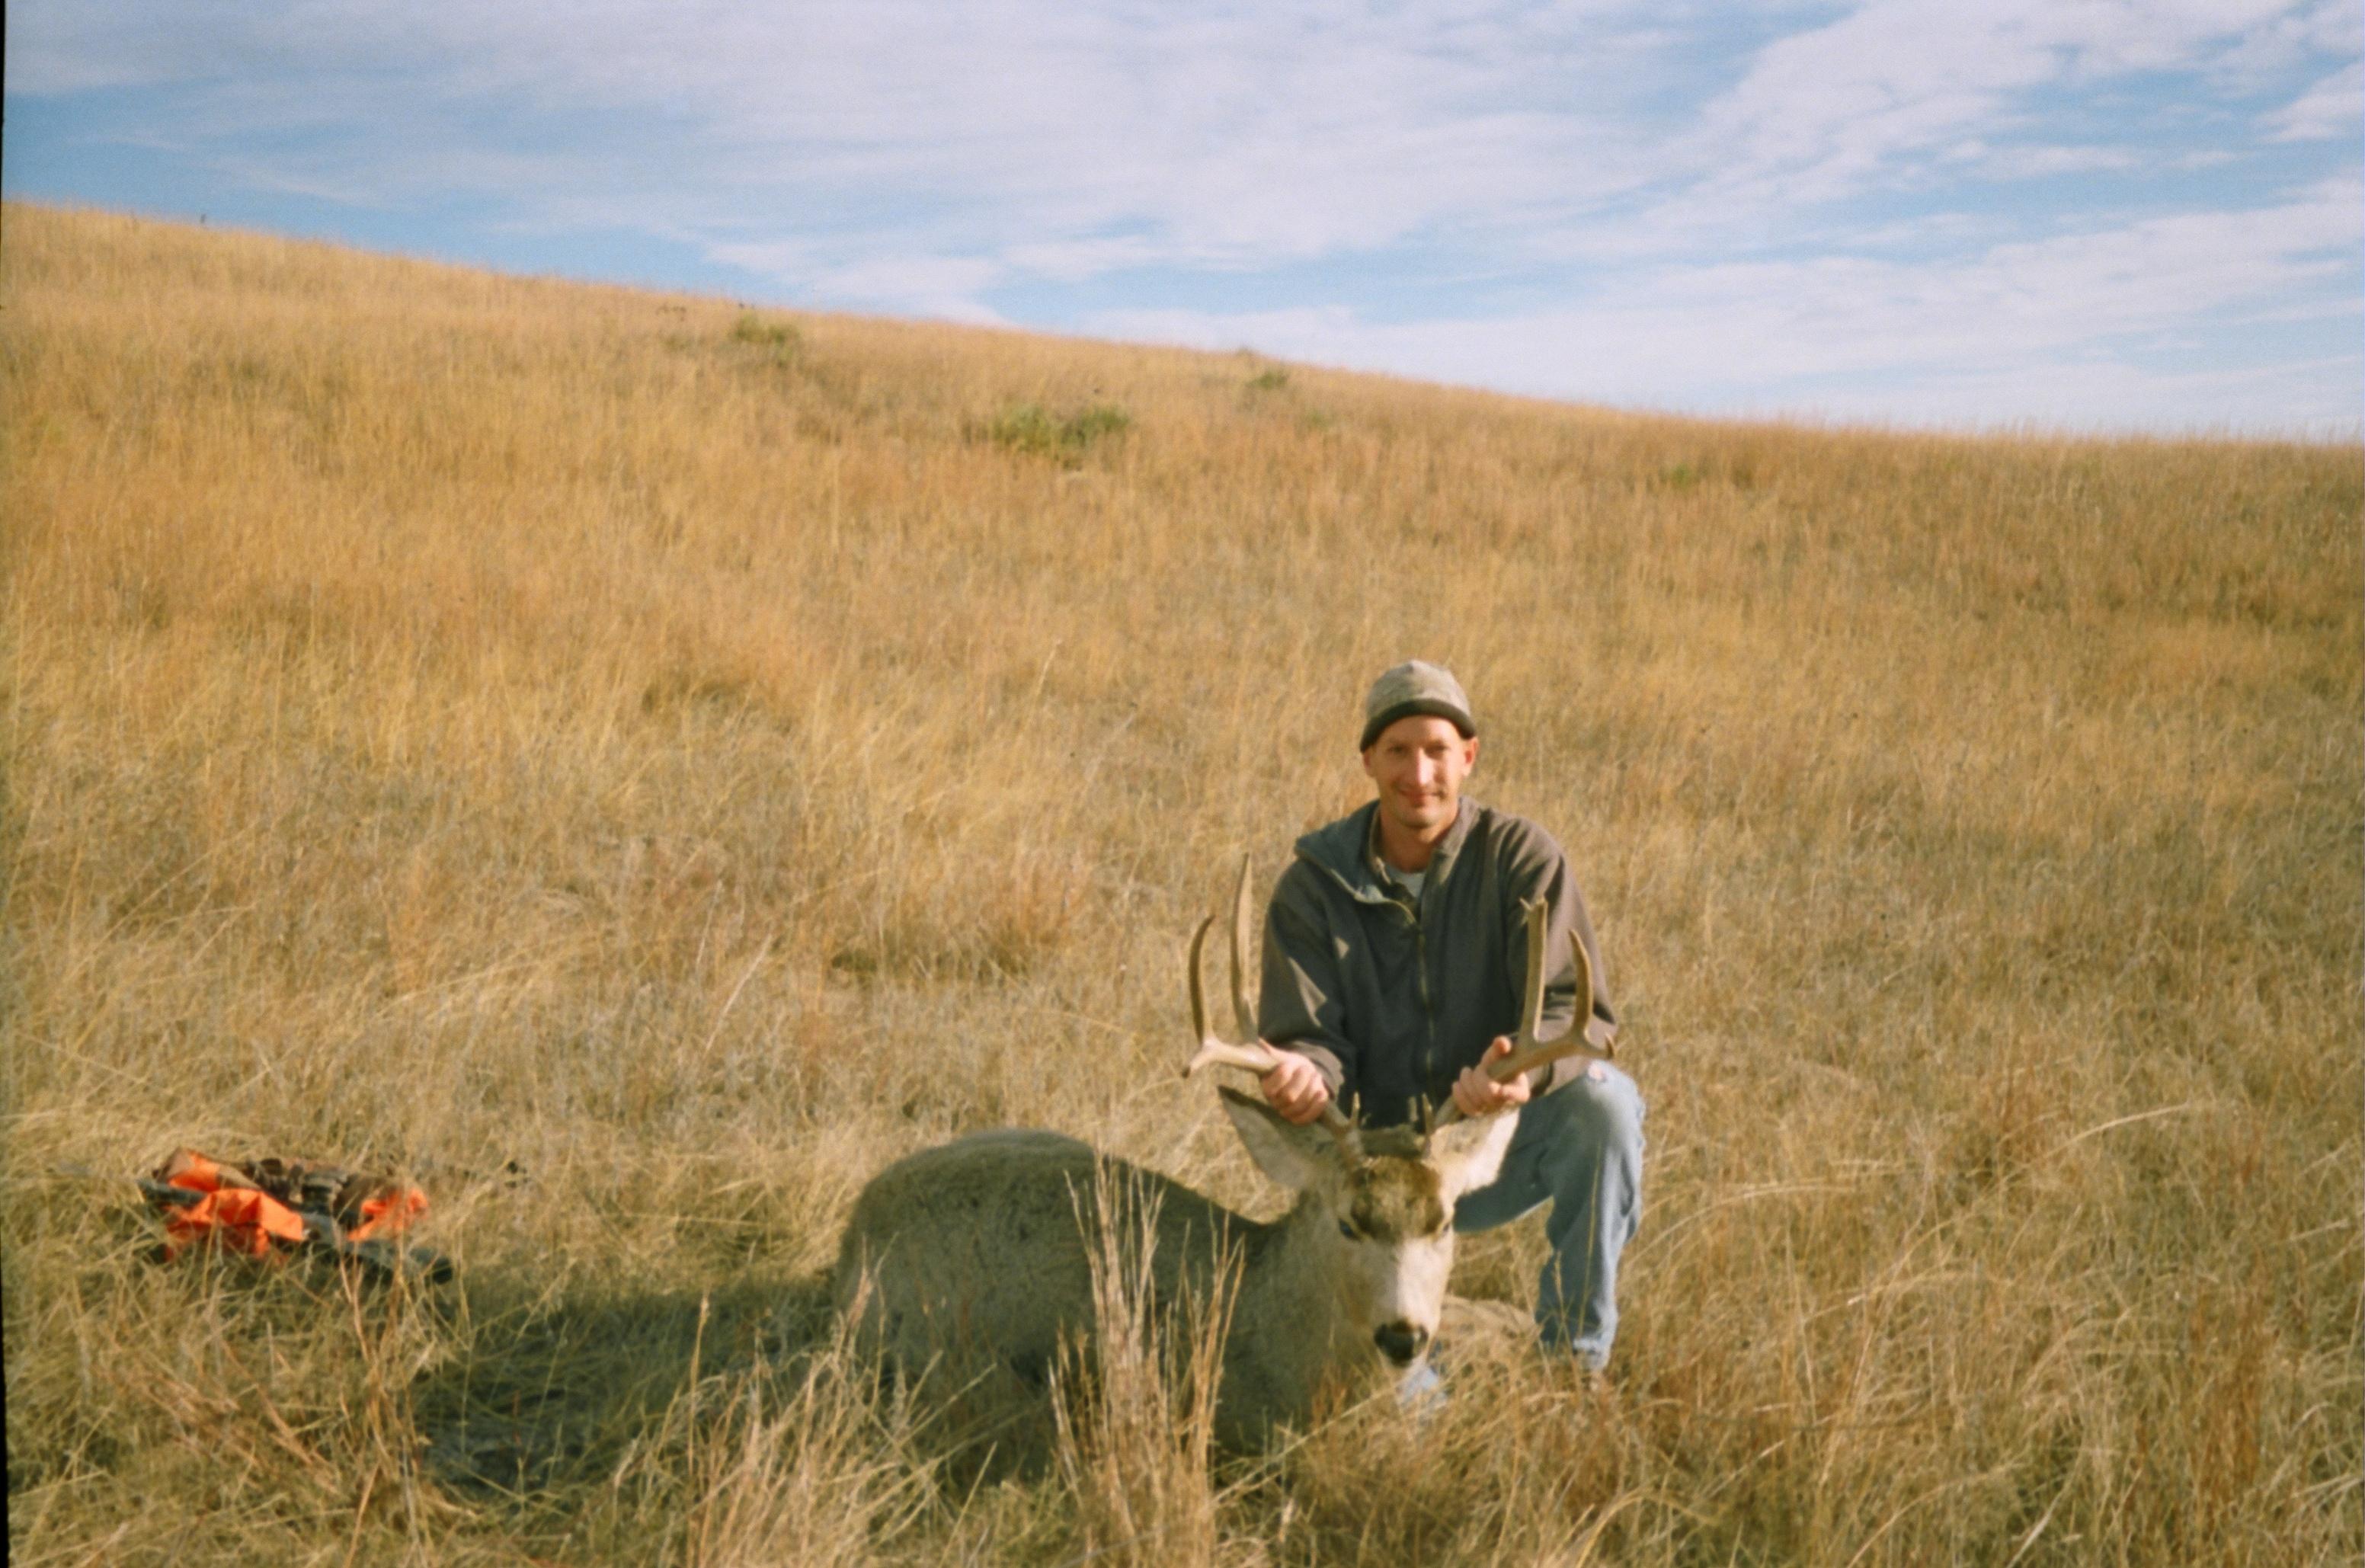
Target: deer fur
{"points": [[974, 1260]]}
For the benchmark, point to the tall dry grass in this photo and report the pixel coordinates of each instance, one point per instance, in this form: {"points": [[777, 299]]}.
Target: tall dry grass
{"points": [[642, 767]]}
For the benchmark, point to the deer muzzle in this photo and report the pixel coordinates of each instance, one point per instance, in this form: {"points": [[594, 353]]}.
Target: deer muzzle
{"points": [[1401, 1342]]}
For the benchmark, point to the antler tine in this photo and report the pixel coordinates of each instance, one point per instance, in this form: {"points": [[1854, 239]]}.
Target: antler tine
{"points": [[1214, 1049], [1253, 1054], [1528, 1053], [1532, 1004], [1339, 1124], [1244, 1010]]}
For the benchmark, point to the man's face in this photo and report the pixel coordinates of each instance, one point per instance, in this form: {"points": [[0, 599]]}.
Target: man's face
{"points": [[1419, 763]]}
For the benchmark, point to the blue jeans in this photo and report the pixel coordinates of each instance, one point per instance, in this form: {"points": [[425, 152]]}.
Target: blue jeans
{"points": [[1580, 1148]]}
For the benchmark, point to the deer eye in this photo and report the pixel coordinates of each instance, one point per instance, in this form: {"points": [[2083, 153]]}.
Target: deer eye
{"points": [[1347, 1230]]}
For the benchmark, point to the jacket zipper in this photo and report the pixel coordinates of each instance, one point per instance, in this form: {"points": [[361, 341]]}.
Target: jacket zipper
{"points": [[1427, 1010], [1410, 910]]}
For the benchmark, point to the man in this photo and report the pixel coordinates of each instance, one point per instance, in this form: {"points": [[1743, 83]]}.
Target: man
{"points": [[1394, 954]]}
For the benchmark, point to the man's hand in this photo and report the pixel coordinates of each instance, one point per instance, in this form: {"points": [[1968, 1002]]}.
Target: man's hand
{"points": [[1295, 1089], [1475, 1095]]}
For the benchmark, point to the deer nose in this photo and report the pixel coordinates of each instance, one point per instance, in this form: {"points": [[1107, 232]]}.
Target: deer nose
{"points": [[1400, 1343]]}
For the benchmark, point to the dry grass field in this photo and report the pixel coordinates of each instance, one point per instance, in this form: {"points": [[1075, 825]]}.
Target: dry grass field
{"points": [[642, 765]]}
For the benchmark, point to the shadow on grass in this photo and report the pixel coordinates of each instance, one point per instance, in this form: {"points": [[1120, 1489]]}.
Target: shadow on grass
{"points": [[550, 1395]]}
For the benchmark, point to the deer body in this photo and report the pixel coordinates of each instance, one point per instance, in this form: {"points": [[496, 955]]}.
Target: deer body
{"points": [[975, 1257]]}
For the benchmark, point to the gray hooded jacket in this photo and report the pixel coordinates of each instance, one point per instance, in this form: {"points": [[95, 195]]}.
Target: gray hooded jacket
{"points": [[1391, 998]]}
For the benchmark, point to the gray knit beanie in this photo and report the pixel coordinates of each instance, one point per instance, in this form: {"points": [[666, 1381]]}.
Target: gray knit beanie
{"points": [[1415, 687]]}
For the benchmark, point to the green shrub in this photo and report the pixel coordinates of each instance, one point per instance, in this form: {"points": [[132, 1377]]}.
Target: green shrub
{"points": [[779, 339], [1029, 427]]}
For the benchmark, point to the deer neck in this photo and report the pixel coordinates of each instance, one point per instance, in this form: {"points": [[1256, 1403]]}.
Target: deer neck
{"points": [[1290, 1327]]}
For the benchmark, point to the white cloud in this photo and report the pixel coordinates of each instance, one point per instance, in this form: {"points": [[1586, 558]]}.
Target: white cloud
{"points": [[2040, 163], [1824, 112], [2333, 107], [2290, 44], [934, 285], [2021, 330], [1269, 132], [1237, 134], [1683, 207]]}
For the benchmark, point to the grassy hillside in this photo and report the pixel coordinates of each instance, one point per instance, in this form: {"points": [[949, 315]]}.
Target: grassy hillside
{"points": [[642, 765]]}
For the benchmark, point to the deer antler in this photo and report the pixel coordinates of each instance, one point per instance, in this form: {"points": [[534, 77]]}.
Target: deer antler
{"points": [[1528, 1053], [1214, 1050]]}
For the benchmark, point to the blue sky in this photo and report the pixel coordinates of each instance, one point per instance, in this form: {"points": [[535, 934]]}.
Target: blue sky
{"points": [[2086, 214]]}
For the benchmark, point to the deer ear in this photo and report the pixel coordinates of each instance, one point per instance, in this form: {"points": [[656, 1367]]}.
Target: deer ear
{"points": [[1291, 1156], [1469, 1154]]}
